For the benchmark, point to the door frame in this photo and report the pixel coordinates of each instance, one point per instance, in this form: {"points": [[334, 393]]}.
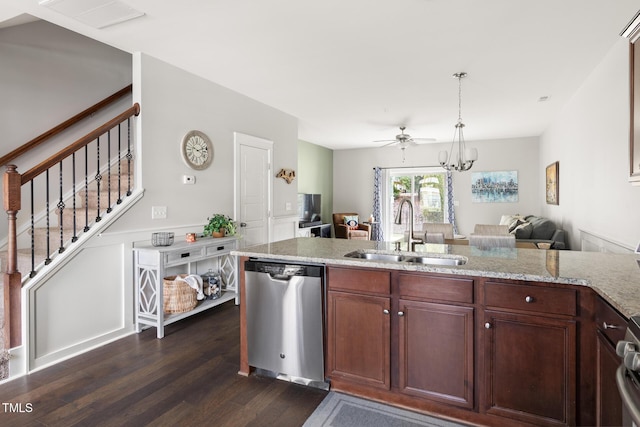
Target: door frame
{"points": [[239, 139]]}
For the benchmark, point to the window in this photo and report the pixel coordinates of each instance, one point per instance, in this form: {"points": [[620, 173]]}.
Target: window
{"points": [[426, 188]]}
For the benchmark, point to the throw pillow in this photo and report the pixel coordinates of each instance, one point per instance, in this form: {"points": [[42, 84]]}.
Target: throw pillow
{"points": [[523, 231], [509, 219], [351, 221]]}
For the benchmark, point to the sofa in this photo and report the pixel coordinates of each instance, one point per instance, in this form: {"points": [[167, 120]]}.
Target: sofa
{"points": [[534, 229]]}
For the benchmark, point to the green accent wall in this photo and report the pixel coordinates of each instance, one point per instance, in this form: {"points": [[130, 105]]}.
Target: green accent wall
{"points": [[315, 175]]}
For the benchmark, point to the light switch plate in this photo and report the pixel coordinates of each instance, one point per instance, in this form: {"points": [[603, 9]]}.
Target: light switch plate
{"points": [[158, 212]]}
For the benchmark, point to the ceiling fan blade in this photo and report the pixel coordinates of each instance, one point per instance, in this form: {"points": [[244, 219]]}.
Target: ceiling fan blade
{"points": [[386, 140], [390, 143], [423, 140]]}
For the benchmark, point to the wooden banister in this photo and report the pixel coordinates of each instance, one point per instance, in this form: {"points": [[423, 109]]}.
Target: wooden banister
{"points": [[4, 160], [12, 186], [66, 152]]}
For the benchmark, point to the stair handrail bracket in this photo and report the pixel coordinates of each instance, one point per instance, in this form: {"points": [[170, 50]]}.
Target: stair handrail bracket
{"points": [[60, 197]]}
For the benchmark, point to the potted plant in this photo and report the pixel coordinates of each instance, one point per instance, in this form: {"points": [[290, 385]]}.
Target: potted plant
{"points": [[219, 225]]}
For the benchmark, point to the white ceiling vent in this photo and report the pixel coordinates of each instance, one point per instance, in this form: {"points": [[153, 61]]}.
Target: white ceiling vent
{"points": [[96, 13]]}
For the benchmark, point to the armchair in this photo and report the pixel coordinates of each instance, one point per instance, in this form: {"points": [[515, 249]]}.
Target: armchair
{"points": [[343, 231]]}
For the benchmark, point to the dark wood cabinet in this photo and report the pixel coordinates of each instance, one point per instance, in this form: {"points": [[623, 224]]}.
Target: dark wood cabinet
{"points": [[610, 329], [432, 342], [359, 338], [482, 350], [436, 352], [530, 368], [359, 327], [530, 353]]}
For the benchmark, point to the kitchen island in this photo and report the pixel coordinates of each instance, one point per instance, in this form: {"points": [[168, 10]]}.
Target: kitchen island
{"points": [[507, 336]]}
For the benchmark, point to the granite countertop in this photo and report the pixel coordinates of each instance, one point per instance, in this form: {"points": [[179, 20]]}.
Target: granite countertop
{"points": [[616, 277]]}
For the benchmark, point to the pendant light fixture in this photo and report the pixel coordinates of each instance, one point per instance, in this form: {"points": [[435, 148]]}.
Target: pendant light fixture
{"points": [[466, 156]]}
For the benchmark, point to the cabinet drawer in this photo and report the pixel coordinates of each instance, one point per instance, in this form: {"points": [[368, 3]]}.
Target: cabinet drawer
{"points": [[216, 250], [188, 254], [359, 280], [610, 322], [436, 288], [531, 298]]}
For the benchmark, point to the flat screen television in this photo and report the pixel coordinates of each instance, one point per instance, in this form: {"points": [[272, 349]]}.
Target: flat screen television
{"points": [[309, 206]]}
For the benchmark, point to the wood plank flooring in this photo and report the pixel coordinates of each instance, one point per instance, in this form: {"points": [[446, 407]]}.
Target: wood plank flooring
{"points": [[188, 378]]}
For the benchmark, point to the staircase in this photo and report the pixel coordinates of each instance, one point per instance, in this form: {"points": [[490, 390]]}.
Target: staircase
{"points": [[80, 214], [60, 202]]}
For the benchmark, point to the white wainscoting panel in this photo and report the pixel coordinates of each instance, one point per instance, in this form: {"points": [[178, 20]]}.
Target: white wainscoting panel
{"points": [[591, 242], [83, 304]]}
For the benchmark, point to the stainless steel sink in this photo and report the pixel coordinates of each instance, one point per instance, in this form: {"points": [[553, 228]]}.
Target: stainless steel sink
{"points": [[415, 259], [436, 260], [376, 256]]}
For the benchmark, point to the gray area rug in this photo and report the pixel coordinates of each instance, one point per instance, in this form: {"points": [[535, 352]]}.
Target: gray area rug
{"points": [[341, 410]]}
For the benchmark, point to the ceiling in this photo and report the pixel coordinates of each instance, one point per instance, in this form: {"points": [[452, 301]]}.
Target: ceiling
{"points": [[353, 71]]}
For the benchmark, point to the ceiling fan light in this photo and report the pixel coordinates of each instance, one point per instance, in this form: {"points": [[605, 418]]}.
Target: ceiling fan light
{"points": [[471, 154]]}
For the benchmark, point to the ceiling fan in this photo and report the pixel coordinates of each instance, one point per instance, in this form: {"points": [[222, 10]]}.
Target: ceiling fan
{"points": [[404, 140]]}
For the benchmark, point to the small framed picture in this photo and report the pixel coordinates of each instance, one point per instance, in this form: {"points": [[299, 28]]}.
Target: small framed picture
{"points": [[552, 183]]}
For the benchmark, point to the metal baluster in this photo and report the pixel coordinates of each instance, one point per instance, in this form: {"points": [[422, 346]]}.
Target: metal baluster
{"points": [[109, 209], [86, 188], [129, 156], [119, 166], [98, 179], [60, 207], [48, 258], [33, 237], [73, 187]]}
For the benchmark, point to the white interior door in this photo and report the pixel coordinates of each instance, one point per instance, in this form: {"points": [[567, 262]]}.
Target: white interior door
{"points": [[253, 188]]}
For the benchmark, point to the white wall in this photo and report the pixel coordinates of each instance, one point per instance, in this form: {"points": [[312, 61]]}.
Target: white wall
{"points": [[174, 102], [353, 177], [590, 139]]}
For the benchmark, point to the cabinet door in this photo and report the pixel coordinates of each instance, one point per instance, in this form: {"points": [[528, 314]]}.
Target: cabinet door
{"points": [[436, 352], [358, 347], [609, 404], [530, 368]]}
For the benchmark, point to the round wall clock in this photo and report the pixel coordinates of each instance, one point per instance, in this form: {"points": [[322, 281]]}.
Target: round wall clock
{"points": [[197, 150]]}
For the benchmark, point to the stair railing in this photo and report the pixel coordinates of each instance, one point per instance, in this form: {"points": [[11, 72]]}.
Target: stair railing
{"points": [[82, 149]]}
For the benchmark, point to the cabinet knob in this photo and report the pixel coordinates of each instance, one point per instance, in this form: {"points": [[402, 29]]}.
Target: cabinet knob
{"points": [[487, 325], [606, 325], [528, 299], [401, 313], [385, 311]]}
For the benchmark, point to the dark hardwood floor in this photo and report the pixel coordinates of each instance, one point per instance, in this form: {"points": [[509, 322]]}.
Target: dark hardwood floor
{"points": [[188, 378]]}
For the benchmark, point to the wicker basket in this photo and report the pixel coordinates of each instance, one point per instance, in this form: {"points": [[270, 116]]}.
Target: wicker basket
{"points": [[178, 295]]}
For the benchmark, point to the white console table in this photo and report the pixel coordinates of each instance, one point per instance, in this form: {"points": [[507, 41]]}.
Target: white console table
{"points": [[153, 263]]}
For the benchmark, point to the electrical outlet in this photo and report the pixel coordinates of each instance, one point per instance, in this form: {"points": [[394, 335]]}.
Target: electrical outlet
{"points": [[188, 179], [158, 212], [287, 206]]}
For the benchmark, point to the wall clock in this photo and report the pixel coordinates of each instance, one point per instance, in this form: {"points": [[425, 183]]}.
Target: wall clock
{"points": [[197, 150]]}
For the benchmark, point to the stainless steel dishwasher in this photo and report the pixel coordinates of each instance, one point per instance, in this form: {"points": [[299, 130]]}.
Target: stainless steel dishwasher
{"points": [[285, 306]]}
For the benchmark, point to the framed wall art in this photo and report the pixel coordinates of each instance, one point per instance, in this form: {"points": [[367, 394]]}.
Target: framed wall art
{"points": [[494, 187], [552, 183]]}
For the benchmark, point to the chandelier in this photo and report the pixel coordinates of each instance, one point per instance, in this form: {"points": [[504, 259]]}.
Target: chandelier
{"points": [[466, 156]]}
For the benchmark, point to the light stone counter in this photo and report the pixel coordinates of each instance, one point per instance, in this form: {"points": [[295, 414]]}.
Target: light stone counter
{"points": [[615, 277]]}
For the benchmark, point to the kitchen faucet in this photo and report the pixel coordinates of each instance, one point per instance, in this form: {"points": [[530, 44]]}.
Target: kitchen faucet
{"points": [[411, 242]]}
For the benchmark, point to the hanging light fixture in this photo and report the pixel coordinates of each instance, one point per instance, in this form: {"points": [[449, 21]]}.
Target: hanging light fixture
{"points": [[466, 156]]}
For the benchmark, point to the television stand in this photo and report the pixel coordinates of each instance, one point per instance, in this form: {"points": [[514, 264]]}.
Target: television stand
{"points": [[321, 230]]}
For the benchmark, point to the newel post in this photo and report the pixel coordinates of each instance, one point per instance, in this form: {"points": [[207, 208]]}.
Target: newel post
{"points": [[12, 184]]}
